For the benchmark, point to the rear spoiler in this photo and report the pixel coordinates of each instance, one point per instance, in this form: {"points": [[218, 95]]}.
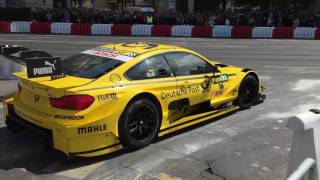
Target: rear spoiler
{"points": [[38, 63], [20, 53]]}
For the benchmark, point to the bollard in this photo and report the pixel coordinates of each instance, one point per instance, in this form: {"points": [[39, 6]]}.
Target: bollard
{"points": [[305, 142]]}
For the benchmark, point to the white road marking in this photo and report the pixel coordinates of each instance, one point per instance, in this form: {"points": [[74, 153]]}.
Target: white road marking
{"points": [[306, 85], [255, 164], [291, 67], [198, 145], [266, 169], [265, 78], [296, 110]]}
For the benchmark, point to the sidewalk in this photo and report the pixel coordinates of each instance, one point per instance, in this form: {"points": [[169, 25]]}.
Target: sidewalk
{"points": [[7, 87]]}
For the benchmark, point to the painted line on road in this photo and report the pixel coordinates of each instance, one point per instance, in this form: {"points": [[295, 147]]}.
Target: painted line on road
{"points": [[291, 67]]}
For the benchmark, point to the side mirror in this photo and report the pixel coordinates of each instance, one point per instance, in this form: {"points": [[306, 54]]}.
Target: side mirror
{"points": [[215, 69]]}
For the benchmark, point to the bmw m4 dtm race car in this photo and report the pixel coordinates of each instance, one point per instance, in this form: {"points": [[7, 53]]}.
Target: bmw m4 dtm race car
{"points": [[123, 95]]}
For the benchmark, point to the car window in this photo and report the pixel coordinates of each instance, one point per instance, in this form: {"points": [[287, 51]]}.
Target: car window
{"points": [[88, 66], [187, 64], [154, 67]]}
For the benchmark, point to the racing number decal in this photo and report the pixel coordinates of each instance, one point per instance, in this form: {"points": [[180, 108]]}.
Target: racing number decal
{"points": [[222, 78], [220, 81], [221, 86]]}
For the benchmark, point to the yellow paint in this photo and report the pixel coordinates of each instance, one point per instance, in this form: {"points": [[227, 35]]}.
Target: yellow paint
{"points": [[106, 111]]}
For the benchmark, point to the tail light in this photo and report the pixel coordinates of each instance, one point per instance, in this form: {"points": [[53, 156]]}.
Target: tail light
{"points": [[72, 102]]}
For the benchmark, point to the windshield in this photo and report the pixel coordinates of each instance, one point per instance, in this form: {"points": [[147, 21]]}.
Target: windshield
{"points": [[88, 66]]}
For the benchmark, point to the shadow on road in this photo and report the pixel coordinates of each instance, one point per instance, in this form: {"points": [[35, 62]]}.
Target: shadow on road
{"points": [[27, 150]]}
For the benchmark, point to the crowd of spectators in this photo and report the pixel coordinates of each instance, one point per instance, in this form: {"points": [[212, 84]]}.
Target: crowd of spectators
{"points": [[252, 17]]}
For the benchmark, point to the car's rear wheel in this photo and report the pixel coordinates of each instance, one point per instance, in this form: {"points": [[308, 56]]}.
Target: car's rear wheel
{"points": [[139, 124], [248, 92]]}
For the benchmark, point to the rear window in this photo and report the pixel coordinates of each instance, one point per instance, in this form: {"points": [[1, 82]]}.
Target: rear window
{"points": [[88, 66]]}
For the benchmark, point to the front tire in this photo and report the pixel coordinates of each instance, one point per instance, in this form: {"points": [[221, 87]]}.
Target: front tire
{"points": [[139, 124], [248, 93]]}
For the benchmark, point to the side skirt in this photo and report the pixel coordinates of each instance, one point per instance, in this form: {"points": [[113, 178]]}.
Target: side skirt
{"points": [[197, 118]]}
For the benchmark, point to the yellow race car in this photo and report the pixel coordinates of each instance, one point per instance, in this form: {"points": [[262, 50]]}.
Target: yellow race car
{"points": [[124, 95]]}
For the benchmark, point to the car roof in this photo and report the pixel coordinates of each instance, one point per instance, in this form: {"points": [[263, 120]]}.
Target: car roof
{"points": [[127, 51], [138, 47]]}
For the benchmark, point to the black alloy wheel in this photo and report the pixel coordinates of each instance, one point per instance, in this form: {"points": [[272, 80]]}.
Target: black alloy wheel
{"points": [[248, 92], [139, 124]]}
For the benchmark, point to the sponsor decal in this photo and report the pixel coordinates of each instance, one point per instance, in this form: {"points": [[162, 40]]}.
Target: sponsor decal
{"points": [[120, 55], [119, 52], [67, 117], [151, 73], [222, 78], [40, 67], [107, 97], [92, 129], [220, 91], [180, 92], [205, 84]]}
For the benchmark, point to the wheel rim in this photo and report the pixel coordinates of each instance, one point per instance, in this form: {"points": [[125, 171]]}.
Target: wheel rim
{"points": [[142, 122], [248, 93]]}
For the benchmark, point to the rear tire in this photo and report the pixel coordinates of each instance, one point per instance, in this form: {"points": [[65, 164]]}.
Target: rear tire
{"points": [[248, 93], [13, 127], [139, 124]]}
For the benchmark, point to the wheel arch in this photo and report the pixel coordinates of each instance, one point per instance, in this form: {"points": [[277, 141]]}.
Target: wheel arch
{"points": [[149, 96], [254, 74]]}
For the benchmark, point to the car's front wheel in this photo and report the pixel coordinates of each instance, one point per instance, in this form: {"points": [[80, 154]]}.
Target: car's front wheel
{"points": [[139, 123], [248, 92]]}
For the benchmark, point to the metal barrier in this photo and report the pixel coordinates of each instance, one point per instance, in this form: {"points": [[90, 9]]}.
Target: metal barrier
{"points": [[304, 33], [141, 30], [81, 28], [101, 29], [40, 27], [305, 146], [303, 171], [283, 33], [61, 28], [4, 26], [201, 31], [121, 30], [161, 30], [262, 32], [181, 31], [222, 31], [241, 32], [317, 34], [20, 27]]}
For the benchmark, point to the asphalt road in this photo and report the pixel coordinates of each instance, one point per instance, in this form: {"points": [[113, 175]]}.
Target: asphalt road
{"points": [[249, 145]]}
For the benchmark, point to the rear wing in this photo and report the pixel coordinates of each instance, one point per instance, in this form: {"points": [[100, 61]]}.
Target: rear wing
{"points": [[20, 54], [37, 63]]}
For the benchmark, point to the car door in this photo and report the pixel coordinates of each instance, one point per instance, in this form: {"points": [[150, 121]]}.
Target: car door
{"points": [[154, 75], [194, 76]]}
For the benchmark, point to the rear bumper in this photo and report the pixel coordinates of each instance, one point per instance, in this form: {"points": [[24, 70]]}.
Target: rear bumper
{"points": [[57, 137]]}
